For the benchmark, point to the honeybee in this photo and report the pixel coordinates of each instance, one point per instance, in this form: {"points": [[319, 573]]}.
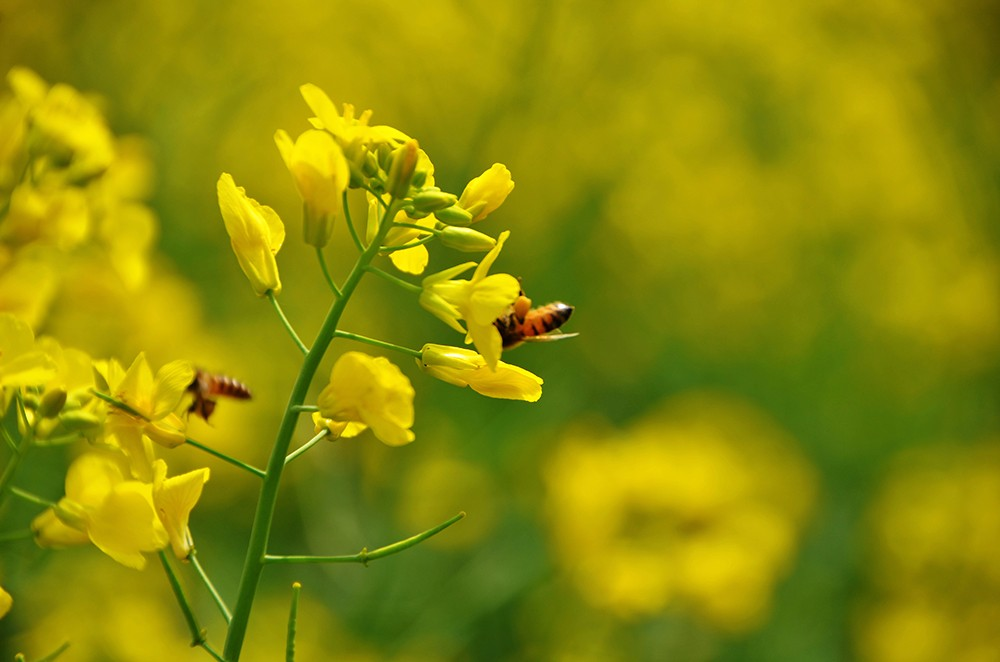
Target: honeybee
{"points": [[206, 387], [522, 323]]}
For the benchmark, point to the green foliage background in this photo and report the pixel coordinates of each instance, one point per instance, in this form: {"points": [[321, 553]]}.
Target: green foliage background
{"points": [[791, 203]]}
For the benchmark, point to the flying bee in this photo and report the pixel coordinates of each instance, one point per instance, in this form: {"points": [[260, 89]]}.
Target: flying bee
{"points": [[207, 387], [522, 323]]}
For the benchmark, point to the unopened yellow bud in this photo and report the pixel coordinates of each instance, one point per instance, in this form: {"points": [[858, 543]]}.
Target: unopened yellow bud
{"points": [[449, 357], [404, 163], [321, 175], [78, 421], [454, 215], [487, 192], [466, 239]]}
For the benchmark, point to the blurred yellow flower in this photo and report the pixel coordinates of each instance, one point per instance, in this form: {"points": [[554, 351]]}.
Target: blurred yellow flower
{"points": [[256, 233], [174, 499], [22, 363], [115, 512], [479, 301], [934, 572], [486, 192], [372, 391], [463, 367], [697, 506], [5, 602], [321, 174]]}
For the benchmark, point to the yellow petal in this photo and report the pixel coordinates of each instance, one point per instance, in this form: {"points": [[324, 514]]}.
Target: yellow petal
{"points": [[175, 498], [126, 525]]}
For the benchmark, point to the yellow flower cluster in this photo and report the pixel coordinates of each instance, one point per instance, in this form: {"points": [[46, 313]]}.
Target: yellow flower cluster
{"points": [[118, 494], [933, 533], [697, 507], [406, 211], [70, 196]]}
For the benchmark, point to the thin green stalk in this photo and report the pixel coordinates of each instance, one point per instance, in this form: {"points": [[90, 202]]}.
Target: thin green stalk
{"points": [[305, 408], [31, 498], [395, 281], [51, 657], [284, 321], [326, 271], [11, 536], [20, 450], [412, 244], [306, 446], [197, 632], [225, 458], [293, 617], [414, 226], [364, 556], [120, 405], [260, 533], [350, 226], [379, 343], [219, 602]]}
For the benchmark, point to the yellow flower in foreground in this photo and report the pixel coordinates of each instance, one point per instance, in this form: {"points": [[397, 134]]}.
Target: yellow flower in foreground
{"points": [[174, 499], [256, 233], [372, 391], [321, 174], [5, 602], [479, 301], [114, 512], [486, 192], [463, 367], [350, 131]]}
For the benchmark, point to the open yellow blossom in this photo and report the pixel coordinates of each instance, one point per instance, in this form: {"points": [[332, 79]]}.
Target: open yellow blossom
{"points": [[486, 192], [113, 511], [5, 602], [373, 391], [479, 301], [463, 367], [351, 132], [256, 233], [174, 499], [321, 174], [159, 402]]}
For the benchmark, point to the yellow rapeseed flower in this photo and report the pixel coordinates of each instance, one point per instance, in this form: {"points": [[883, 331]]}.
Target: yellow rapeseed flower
{"points": [[479, 301], [486, 192], [115, 512], [321, 175], [5, 602], [256, 233], [371, 391], [353, 133], [174, 499], [463, 367], [22, 363]]}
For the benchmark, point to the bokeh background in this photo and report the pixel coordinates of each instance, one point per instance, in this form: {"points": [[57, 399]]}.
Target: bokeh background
{"points": [[777, 434]]}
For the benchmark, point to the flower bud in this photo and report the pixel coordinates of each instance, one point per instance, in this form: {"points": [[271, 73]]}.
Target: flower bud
{"points": [[432, 355], [466, 239], [454, 215], [432, 200], [52, 403], [404, 163], [487, 192]]}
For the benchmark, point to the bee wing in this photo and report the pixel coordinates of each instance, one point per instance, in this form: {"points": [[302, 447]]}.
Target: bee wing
{"points": [[548, 337]]}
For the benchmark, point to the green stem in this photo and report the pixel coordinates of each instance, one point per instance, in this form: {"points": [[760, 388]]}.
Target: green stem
{"points": [[21, 449], [28, 496], [260, 533], [350, 226], [219, 602], [225, 458], [197, 632], [284, 321], [293, 617], [414, 226], [326, 271], [364, 556], [395, 281], [120, 405], [412, 244], [305, 408], [378, 343], [11, 536], [54, 654], [306, 446]]}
